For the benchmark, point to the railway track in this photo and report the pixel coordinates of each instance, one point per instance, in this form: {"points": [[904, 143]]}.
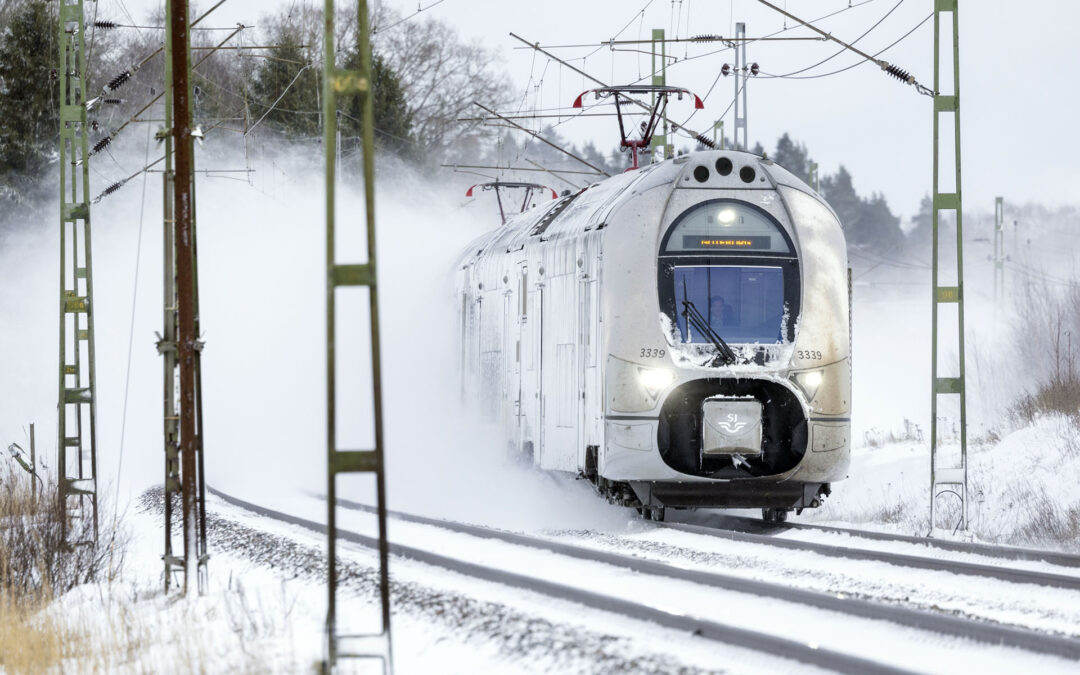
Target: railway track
{"points": [[1012, 574], [984, 632], [767, 643], [755, 526]]}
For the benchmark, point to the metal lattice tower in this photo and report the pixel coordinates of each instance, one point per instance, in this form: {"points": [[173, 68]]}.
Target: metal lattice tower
{"points": [[740, 141], [999, 252], [660, 149], [338, 82], [947, 478], [77, 409]]}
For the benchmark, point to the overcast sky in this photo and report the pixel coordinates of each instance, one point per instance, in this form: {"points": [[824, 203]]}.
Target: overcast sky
{"points": [[1018, 80]]}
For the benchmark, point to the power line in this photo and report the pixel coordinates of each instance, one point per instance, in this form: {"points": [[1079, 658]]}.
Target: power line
{"points": [[855, 41], [376, 30], [773, 34], [857, 63], [889, 68]]}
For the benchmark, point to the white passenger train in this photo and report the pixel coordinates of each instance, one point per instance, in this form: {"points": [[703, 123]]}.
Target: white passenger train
{"points": [[678, 335]]}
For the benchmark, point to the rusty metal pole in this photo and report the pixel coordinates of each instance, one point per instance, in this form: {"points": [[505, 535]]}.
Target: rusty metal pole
{"points": [[184, 279]]}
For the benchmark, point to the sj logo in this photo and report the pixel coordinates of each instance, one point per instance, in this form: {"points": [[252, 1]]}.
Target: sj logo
{"points": [[732, 425]]}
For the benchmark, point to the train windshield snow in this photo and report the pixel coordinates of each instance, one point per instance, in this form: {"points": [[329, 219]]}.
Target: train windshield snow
{"points": [[741, 304]]}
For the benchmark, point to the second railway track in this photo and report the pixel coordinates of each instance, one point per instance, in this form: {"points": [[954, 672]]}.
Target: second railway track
{"points": [[941, 624]]}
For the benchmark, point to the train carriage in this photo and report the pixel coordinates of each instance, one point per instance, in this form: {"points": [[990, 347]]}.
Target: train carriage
{"points": [[678, 334]]}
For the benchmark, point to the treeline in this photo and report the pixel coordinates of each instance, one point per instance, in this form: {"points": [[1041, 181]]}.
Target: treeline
{"points": [[868, 222], [268, 81], [269, 84]]}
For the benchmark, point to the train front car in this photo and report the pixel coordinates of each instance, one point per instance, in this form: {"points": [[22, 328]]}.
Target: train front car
{"points": [[677, 334], [727, 374]]}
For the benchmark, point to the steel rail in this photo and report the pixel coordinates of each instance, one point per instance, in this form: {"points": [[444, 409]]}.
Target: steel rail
{"points": [[752, 526], [980, 631], [901, 559], [783, 648]]}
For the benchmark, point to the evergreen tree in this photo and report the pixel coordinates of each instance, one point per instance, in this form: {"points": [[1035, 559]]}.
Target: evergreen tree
{"points": [[881, 228], [287, 86], [866, 222], [29, 93], [592, 154], [839, 191], [393, 121], [792, 156]]}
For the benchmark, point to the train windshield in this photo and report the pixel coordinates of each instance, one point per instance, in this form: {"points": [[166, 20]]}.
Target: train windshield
{"points": [[742, 304]]}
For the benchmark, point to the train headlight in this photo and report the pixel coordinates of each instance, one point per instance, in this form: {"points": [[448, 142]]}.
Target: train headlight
{"points": [[655, 380], [809, 382], [633, 388], [726, 216]]}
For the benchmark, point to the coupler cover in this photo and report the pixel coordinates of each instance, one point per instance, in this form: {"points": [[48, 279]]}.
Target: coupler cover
{"points": [[731, 426]]}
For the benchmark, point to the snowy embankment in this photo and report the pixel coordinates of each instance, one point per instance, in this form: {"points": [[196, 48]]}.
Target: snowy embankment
{"points": [[1024, 487]]}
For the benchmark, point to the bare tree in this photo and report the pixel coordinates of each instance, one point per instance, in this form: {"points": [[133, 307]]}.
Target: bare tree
{"points": [[442, 75]]}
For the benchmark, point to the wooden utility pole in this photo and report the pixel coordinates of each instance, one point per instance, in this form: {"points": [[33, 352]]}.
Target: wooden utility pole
{"points": [[184, 242]]}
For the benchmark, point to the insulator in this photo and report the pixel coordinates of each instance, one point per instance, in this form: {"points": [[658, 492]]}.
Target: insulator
{"points": [[725, 70], [119, 80], [900, 74], [102, 144], [754, 69], [112, 101], [94, 125], [706, 38], [706, 142], [106, 25], [112, 188]]}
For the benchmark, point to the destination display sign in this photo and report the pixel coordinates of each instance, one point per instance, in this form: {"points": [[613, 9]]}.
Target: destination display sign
{"points": [[705, 242]]}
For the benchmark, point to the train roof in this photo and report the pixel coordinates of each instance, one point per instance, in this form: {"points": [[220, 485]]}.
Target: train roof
{"points": [[589, 208]]}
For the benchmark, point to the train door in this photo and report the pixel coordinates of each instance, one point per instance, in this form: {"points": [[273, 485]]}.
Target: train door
{"points": [[509, 384], [560, 375], [588, 395], [529, 396]]}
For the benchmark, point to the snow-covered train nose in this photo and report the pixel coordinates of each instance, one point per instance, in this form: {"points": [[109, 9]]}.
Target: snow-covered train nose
{"points": [[731, 426]]}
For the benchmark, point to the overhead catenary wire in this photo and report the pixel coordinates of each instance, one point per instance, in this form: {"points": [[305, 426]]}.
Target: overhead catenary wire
{"points": [[855, 41], [856, 64], [120, 183], [889, 68], [122, 78], [107, 140], [380, 29], [131, 330], [719, 74], [285, 91], [541, 138]]}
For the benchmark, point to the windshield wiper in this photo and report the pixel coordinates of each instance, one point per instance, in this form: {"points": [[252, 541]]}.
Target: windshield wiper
{"points": [[693, 317]]}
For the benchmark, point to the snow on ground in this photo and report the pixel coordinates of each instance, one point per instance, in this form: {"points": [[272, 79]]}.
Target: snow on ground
{"points": [[449, 623], [265, 609], [1024, 488]]}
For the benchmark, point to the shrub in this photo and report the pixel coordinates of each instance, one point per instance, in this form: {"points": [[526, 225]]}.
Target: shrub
{"points": [[36, 560]]}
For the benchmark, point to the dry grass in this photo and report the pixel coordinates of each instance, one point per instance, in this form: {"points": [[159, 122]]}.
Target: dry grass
{"points": [[37, 567], [31, 641], [1051, 396], [69, 610], [46, 549]]}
